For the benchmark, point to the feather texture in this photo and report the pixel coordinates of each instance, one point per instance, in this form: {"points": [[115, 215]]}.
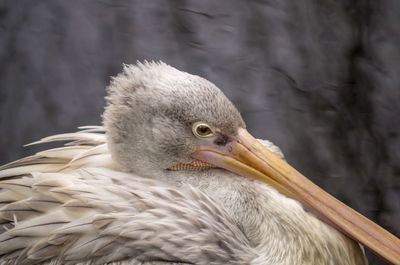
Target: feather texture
{"points": [[70, 204], [79, 205]]}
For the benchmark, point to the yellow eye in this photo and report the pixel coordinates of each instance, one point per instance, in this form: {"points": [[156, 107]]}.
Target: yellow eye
{"points": [[202, 130]]}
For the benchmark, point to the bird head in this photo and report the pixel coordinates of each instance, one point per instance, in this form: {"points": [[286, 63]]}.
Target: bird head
{"points": [[157, 117]]}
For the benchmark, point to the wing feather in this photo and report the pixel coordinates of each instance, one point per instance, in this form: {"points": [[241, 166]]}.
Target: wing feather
{"points": [[73, 205]]}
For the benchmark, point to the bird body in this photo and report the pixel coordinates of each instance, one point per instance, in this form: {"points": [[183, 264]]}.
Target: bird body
{"points": [[74, 204], [110, 195]]}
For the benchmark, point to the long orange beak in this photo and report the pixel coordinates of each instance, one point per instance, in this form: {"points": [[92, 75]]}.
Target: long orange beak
{"points": [[248, 157]]}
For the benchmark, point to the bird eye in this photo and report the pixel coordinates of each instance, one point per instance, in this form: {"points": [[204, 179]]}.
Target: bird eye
{"points": [[202, 130]]}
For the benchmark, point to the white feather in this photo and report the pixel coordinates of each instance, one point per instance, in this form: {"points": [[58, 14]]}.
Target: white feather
{"points": [[80, 206]]}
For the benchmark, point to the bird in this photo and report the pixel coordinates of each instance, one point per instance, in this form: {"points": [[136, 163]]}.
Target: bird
{"points": [[173, 177]]}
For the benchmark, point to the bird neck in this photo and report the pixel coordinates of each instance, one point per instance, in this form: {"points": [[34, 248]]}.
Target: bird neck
{"points": [[258, 209], [275, 225]]}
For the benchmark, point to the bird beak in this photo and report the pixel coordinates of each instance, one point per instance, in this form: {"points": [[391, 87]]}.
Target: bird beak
{"points": [[248, 157]]}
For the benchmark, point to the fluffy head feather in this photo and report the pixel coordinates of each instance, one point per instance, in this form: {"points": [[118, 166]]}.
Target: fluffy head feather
{"points": [[152, 106]]}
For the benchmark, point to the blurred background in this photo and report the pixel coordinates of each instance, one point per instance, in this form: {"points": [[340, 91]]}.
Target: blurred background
{"points": [[319, 78]]}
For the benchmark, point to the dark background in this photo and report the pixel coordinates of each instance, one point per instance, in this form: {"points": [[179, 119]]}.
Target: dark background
{"points": [[319, 78]]}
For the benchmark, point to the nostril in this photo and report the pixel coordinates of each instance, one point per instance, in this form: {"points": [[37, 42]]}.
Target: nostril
{"points": [[230, 148]]}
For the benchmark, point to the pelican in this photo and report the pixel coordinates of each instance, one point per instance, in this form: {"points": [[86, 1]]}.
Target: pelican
{"points": [[173, 177]]}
